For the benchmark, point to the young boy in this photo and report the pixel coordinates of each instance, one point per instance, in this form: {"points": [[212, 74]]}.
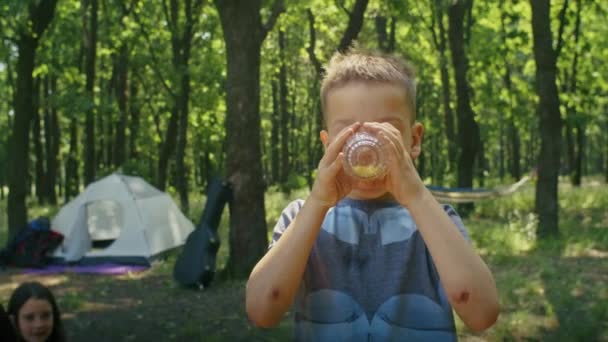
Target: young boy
{"points": [[371, 260]]}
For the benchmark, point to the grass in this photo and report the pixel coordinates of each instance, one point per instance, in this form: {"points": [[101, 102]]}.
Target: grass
{"points": [[553, 290]]}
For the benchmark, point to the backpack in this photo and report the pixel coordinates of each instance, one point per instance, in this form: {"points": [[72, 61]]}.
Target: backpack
{"points": [[31, 245]]}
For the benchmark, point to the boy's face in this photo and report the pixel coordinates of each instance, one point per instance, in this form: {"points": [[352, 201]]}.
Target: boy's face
{"points": [[371, 102]]}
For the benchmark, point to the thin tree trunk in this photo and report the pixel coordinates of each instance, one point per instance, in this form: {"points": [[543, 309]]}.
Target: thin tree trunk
{"points": [[120, 89], [90, 44], [51, 133], [274, 133], [72, 179], [468, 137], [134, 112], [440, 41], [39, 179], [515, 149], [580, 156], [40, 16], [550, 120], [284, 94], [385, 33]]}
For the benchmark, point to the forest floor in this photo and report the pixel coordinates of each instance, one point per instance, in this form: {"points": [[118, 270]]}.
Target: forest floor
{"points": [[550, 291]]}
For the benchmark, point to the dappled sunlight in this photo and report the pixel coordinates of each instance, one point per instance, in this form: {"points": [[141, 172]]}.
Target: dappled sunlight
{"points": [[584, 250], [10, 282]]}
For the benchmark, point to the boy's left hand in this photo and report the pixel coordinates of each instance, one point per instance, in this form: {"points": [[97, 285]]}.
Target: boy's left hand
{"points": [[402, 179]]}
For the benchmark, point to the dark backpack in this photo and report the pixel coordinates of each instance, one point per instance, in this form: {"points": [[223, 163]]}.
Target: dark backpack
{"points": [[31, 245]]}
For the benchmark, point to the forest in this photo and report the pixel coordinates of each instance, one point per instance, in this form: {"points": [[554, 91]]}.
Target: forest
{"points": [[94, 87], [179, 92]]}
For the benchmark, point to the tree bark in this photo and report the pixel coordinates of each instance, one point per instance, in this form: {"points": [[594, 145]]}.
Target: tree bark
{"points": [[284, 94], [120, 93], [39, 179], [51, 134], [355, 23], [468, 136], [274, 133], [90, 47], [385, 33], [39, 17], [72, 179], [440, 41], [134, 112], [243, 35], [550, 120]]}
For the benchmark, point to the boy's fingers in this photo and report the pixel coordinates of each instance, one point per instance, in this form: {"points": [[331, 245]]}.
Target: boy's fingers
{"points": [[335, 147], [336, 166], [390, 132]]}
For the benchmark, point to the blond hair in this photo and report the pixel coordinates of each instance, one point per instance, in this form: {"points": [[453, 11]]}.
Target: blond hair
{"points": [[356, 65]]}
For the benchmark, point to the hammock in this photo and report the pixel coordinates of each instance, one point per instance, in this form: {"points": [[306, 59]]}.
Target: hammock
{"points": [[468, 195]]}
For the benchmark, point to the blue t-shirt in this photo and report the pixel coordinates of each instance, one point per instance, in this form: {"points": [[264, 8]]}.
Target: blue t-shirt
{"points": [[370, 277]]}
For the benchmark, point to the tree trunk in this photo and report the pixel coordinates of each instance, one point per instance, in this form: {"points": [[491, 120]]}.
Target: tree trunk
{"points": [[120, 92], [384, 33], [468, 137], [39, 179], [40, 16], [182, 138], [167, 149], [51, 134], [515, 150], [90, 44], [274, 133], [72, 180], [580, 155], [284, 94], [550, 120], [243, 35], [182, 44], [134, 112], [439, 38]]}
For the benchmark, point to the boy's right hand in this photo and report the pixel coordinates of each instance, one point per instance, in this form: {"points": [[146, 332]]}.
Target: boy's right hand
{"points": [[332, 184]]}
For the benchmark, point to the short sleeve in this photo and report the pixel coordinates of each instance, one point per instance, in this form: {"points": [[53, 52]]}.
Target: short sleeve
{"points": [[457, 220], [288, 214]]}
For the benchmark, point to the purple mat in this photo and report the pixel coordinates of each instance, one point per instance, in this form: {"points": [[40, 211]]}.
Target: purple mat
{"points": [[108, 269]]}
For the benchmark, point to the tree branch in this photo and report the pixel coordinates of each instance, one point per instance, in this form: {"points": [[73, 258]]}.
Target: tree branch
{"points": [[153, 55], [278, 7], [355, 22], [312, 44], [340, 5], [560, 32]]}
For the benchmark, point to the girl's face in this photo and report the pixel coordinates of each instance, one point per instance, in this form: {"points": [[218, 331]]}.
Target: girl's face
{"points": [[35, 321]]}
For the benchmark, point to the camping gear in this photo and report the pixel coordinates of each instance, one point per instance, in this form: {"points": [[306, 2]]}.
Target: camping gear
{"points": [[105, 269], [30, 246], [195, 266], [119, 219], [470, 195]]}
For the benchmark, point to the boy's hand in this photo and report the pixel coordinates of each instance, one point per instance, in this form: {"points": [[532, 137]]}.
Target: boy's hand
{"points": [[332, 184], [402, 179]]}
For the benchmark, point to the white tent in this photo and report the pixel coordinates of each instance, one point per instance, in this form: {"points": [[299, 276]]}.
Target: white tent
{"points": [[131, 219]]}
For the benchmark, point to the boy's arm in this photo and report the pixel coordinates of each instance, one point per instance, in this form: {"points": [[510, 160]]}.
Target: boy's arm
{"points": [[275, 280], [466, 279]]}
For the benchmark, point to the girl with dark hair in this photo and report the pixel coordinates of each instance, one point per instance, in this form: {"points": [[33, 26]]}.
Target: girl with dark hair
{"points": [[35, 315]]}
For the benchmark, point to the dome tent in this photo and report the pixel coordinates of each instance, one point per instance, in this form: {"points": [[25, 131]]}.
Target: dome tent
{"points": [[119, 219]]}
